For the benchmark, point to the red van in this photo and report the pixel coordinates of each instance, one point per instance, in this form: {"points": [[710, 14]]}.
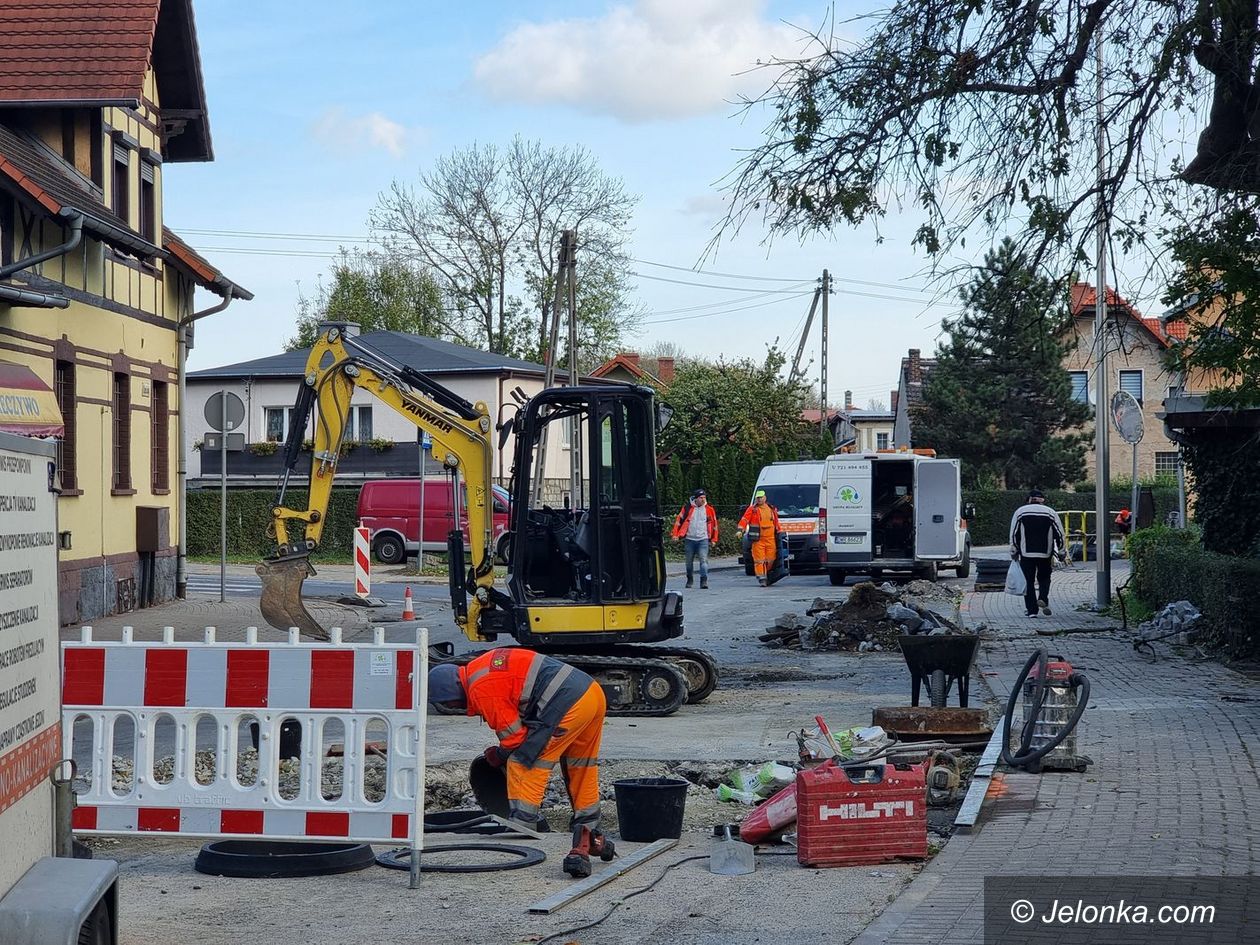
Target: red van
{"points": [[391, 508]]}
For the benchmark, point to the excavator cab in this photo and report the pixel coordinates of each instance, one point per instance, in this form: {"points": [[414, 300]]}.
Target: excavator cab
{"points": [[587, 559]]}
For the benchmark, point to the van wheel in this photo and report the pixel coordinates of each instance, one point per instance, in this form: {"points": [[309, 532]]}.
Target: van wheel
{"points": [[964, 568], [502, 548], [749, 567], [390, 549], [929, 572], [837, 577]]}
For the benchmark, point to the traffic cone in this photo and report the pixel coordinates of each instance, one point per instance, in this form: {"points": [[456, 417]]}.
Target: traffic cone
{"points": [[409, 612]]}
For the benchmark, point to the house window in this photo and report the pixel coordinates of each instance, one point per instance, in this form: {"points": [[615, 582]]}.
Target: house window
{"points": [[881, 441], [275, 424], [365, 424], [1131, 381], [122, 431], [122, 183], [159, 437], [148, 202], [1165, 465], [358, 427], [1080, 386], [67, 460]]}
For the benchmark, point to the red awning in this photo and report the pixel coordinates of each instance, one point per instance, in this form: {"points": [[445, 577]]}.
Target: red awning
{"points": [[27, 405]]}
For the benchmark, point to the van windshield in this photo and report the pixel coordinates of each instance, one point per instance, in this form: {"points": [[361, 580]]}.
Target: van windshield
{"points": [[794, 501]]}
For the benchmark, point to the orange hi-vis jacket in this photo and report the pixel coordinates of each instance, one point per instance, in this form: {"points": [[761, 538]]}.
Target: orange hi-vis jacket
{"points": [[756, 515], [522, 695], [684, 519]]}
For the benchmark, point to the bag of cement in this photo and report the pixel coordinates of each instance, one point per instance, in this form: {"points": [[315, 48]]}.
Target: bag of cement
{"points": [[907, 617], [1016, 584], [774, 777], [744, 779]]}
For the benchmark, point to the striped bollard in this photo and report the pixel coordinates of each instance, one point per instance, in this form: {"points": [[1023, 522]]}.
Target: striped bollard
{"points": [[362, 562]]}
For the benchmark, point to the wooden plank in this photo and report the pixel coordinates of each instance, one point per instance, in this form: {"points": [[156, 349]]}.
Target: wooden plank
{"points": [[969, 813], [622, 865]]}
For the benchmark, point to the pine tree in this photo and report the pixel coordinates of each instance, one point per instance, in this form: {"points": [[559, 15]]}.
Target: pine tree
{"points": [[999, 398]]}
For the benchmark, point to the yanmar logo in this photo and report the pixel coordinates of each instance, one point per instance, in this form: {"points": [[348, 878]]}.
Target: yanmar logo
{"points": [[866, 811]]}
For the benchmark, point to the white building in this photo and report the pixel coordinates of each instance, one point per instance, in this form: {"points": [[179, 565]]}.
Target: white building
{"points": [[268, 387]]}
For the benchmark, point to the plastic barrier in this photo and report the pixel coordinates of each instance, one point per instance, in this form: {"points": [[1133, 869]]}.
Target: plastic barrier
{"points": [[169, 700], [362, 562]]}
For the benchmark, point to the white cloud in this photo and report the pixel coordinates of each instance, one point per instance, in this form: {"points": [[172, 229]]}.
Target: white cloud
{"points": [[647, 60], [340, 131]]}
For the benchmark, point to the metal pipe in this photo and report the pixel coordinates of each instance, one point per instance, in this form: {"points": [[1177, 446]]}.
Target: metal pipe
{"points": [[75, 219], [1102, 468], [181, 560], [12, 294]]}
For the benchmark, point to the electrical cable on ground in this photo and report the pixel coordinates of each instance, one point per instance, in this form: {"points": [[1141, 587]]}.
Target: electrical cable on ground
{"points": [[617, 902]]}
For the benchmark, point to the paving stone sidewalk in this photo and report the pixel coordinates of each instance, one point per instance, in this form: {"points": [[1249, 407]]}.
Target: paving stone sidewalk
{"points": [[1173, 743]]}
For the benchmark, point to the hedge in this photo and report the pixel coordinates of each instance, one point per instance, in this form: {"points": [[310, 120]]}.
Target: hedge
{"points": [[1171, 565], [249, 515], [994, 507]]}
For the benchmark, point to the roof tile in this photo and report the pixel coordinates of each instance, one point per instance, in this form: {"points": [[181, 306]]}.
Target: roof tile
{"points": [[71, 50]]}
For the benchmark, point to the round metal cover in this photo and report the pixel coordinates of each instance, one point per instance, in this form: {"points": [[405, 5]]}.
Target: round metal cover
{"points": [[214, 411], [1126, 414]]}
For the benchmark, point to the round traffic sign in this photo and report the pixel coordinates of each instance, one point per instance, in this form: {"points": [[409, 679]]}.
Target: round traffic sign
{"points": [[214, 412]]}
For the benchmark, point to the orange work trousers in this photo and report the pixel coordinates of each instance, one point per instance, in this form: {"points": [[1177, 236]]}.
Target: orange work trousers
{"points": [[575, 745], [763, 551]]}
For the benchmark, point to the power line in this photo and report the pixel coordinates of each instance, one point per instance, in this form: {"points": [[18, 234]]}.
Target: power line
{"points": [[726, 288], [730, 311], [731, 275]]}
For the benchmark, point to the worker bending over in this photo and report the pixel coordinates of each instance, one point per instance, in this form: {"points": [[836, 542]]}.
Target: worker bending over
{"points": [[542, 711]]}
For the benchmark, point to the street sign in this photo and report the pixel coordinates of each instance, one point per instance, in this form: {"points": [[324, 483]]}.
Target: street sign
{"points": [[426, 441], [217, 404], [235, 442]]}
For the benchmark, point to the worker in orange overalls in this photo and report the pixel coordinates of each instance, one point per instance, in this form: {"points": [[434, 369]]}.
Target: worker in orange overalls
{"points": [[542, 711], [761, 523]]}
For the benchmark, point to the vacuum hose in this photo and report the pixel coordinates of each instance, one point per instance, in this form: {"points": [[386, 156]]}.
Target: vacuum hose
{"points": [[1027, 755]]}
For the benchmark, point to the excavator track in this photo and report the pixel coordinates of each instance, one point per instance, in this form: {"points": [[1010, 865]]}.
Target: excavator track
{"points": [[698, 667], [635, 684]]}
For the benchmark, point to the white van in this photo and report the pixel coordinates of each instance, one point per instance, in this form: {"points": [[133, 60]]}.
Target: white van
{"points": [[795, 489], [895, 511]]}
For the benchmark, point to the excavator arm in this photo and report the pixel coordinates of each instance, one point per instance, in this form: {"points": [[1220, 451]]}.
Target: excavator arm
{"points": [[461, 437]]}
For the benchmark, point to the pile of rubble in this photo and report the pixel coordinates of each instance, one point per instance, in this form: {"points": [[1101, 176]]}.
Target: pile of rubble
{"points": [[870, 619], [1176, 623]]}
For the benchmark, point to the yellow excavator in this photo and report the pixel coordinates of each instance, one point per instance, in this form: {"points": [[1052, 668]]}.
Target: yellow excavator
{"points": [[585, 583]]}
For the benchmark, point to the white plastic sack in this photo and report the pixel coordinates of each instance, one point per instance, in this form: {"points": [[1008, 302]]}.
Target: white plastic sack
{"points": [[1015, 583]]}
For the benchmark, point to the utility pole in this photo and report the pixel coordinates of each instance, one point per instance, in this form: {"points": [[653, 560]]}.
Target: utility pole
{"points": [[795, 374], [826, 291], [575, 427], [1102, 467]]}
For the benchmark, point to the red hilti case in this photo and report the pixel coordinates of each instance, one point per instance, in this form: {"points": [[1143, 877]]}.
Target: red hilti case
{"points": [[861, 816]]}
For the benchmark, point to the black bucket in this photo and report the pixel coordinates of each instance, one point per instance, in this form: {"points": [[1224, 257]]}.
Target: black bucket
{"points": [[650, 808]]}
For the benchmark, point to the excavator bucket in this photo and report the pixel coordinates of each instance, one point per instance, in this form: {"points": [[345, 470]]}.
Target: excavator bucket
{"points": [[281, 602]]}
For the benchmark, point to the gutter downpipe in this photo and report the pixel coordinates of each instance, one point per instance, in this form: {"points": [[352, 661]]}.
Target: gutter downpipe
{"points": [[75, 218], [181, 561]]}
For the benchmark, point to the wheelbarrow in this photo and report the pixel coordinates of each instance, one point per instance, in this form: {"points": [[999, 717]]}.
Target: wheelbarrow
{"points": [[940, 660]]}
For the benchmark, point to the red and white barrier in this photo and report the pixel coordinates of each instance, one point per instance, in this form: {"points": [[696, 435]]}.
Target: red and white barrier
{"points": [[177, 686], [362, 562]]}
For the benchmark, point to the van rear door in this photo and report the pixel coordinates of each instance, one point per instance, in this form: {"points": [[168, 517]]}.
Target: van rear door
{"points": [[937, 522], [847, 485]]}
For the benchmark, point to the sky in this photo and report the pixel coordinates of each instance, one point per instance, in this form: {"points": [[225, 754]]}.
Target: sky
{"points": [[314, 114]]}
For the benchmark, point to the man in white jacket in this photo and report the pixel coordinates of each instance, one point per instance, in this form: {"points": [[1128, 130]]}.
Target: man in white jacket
{"points": [[1036, 538]]}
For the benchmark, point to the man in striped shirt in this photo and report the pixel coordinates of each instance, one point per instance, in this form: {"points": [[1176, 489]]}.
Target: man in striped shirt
{"points": [[1036, 538], [542, 712]]}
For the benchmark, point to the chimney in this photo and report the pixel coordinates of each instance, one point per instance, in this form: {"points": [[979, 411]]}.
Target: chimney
{"points": [[665, 370], [892, 402], [848, 400], [632, 357], [915, 370]]}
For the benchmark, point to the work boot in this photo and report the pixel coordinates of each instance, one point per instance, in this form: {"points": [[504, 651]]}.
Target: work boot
{"points": [[761, 581], [1045, 606], [704, 584], [688, 584], [587, 843]]}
